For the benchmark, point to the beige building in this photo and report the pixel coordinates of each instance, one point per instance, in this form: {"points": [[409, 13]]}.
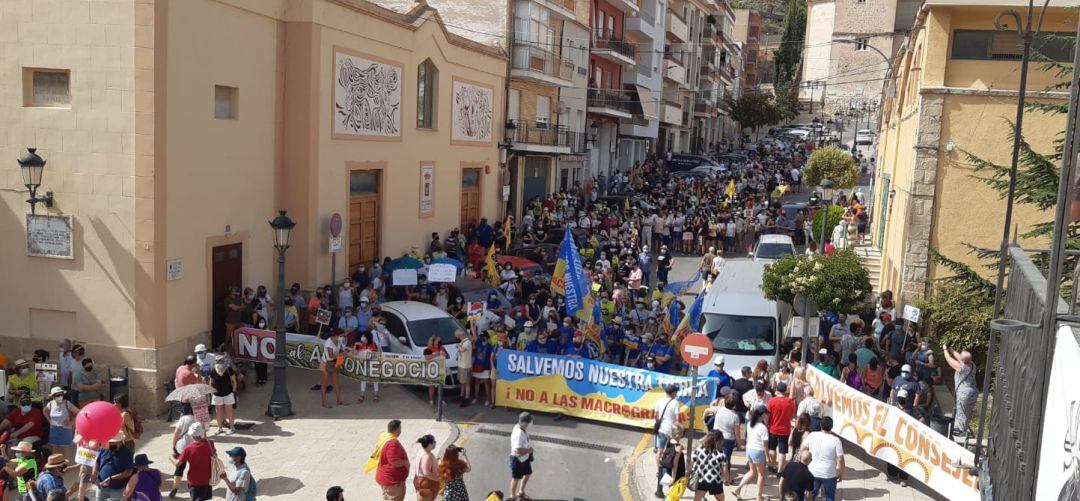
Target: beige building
{"points": [[957, 79], [174, 130]]}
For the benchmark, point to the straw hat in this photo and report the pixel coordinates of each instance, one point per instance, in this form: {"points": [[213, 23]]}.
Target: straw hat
{"points": [[24, 446], [56, 461]]}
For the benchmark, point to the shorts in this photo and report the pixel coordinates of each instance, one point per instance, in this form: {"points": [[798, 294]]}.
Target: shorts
{"points": [[61, 436], [713, 488], [464, 375], [519, 469], [779, 442], [662, 441], [201, 492], [482, 375], [756, 456], [229, 399], [688, 236], [179, 471]]}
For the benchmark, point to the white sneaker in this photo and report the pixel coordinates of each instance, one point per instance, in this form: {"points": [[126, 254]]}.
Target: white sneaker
{"points": [[229, 431]]}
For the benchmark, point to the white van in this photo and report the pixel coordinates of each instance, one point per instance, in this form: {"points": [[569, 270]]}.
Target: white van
{"points": [[743, 325]]}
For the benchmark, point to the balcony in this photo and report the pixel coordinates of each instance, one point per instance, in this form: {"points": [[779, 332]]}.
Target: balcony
{"points": [[606, 44], [708, 35], [674, 72], [671, 113], [628, 7], [614, 103], [564, 8], [708, 73], [642, 24], [540, 137], [541, 66], [677, 30], [707, 110], [576, 141]]}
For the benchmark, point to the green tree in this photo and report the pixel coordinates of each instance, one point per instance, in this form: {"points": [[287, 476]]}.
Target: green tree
{"points": [[753, 110], [789, 55], [837, 283], [836, 214], [786, 102], [833, 164]]}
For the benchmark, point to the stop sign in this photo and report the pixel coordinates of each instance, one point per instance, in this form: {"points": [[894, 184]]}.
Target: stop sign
{"points": [[696, 350]]}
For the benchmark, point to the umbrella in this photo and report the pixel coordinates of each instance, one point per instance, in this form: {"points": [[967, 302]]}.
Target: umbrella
{"points": [[449, 260], [190, 392], [404, 263]]}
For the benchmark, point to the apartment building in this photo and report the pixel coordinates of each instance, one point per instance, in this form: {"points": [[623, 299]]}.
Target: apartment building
{"points": [[614, 51], [748, 33], [718, 79], [546, 98], [637, 135], [174, 130], [849, 46], [957, 79]]}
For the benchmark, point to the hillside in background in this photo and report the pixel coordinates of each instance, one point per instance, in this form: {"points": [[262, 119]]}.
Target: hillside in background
{"points": [[772, 12]]}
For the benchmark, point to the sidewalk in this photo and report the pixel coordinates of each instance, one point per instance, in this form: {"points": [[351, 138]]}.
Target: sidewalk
{"points": [[861, 480], [300, 457]]}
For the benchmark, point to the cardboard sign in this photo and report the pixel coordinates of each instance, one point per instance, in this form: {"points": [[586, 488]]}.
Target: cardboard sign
{"points": [[322, 317], [476, 310], [46, 373], [404, 277], [86, 457], [911, 313], [442, 272]]}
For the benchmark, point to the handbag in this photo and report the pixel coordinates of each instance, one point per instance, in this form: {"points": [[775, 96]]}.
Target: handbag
{"points": [[695, 479], [426, 486]]}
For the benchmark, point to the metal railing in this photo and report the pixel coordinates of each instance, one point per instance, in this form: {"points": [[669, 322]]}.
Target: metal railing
{"points": [[604, 39], [577, 141], [531, 57], [708, 32], [543, 134], [611, 98]]}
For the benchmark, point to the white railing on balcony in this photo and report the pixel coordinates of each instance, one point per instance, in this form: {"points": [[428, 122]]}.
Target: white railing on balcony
{"points": [[677, 27]]}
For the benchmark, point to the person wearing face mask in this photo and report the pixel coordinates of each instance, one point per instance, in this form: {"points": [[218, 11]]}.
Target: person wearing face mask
{"points": [[663, 352], [223, 379], [566, 332], [23, 382], [542, 344], [61, 415], [346, 295], [458, 310], [113, 468], [25, 467], [263, 301], [234, 311], [240, 486], [577, 348], [88, 382], [494, 305], [366, 349], [613, 338], [25, 423], [639, 315], [204, 360], [197, 456]]}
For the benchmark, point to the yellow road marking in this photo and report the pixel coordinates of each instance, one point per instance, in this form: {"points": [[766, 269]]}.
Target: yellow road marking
{"points": [[624, 475], [464, 437]]}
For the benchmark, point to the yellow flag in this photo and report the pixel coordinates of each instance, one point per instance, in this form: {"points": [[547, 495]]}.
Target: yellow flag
{"points": [[490, 269], [506, 230], [626, 205], [730, 191], [373, 460]]}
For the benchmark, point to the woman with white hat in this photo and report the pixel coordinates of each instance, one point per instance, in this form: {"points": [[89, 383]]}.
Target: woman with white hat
{"points": [[61, 414]]}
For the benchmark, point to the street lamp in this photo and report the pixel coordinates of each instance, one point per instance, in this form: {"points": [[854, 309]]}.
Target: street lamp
{"points": [[826, 198], [33, 166], [280, 405]]}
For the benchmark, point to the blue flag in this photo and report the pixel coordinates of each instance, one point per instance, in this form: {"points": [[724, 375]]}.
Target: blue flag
{"points": [[677, 288]]}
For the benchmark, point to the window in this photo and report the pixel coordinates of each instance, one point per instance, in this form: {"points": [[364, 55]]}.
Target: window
{"points": [[226, 102], [862, 44], [427, 90], [363, 183], [470, 178], [1007, 46], [543, 111], [515, 105], [46, 88]]}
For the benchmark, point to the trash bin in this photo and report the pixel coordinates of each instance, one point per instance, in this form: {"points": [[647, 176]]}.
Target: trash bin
{"points": [[940, 424], [118, 382]]}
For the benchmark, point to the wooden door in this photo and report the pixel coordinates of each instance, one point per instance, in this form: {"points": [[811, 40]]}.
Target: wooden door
{"points": [[363, 218], [227, 271], [470, 197]]}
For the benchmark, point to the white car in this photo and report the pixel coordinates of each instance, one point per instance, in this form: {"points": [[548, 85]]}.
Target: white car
{"points": [[864, 136], [412, 323], [711, 169], [797, 133], [773, 247]]}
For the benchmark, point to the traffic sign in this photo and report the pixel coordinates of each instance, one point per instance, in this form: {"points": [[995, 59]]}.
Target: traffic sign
{"points": [[335, 244], [335, 224], [696, 350]]}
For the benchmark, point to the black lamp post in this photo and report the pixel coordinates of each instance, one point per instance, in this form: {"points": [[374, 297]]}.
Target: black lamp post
{"points": [[826, 198], [280, 405], [32, 168]]}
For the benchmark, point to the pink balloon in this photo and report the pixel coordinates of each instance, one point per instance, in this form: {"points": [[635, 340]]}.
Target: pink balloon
{"points": [[98, 421]]}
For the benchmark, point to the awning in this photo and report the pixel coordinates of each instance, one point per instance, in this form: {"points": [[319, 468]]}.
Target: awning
{"points": [[648, 101]]}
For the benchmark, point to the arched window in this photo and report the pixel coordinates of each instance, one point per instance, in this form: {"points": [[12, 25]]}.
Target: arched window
{"points": [[427, 91]]}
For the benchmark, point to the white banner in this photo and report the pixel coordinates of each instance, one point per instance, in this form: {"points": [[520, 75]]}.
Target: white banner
{"points": [[890, 434], [442, 272], [1059, 453], [404, 277]]}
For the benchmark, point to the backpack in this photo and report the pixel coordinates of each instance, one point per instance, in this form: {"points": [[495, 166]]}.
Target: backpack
{"points": [[253, 488]]}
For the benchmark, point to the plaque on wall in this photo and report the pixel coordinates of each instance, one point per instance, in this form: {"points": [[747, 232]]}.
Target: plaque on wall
{"points": [[49, 236]]}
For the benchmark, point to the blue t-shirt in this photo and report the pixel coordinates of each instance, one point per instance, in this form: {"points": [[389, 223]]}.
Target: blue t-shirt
{"points": [[614, 338], [549, 347], [585, 351], [111, 462], [725, 379], [482, 354], [660, 351], [363, 318], [47, 482], [567, 332]]}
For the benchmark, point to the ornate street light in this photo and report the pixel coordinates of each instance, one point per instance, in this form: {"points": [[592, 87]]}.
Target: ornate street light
{"points": [[280, 405], [826, 198], [33, 166]]}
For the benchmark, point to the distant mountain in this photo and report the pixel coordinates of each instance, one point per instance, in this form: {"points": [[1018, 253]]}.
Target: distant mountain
{"points": [[772, 12]]}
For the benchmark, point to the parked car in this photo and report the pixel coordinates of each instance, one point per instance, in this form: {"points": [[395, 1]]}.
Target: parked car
{"points": [[711, 170], [679, 163], [694, 173], [864, 136], [543, 254], [525, 268], [790, 211], [474, 290], [412, 323], [732, 157], [797, 134], [773, 247]]}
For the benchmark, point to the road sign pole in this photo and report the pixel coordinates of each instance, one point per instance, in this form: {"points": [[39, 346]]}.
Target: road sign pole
{"points": [[693, 414]]}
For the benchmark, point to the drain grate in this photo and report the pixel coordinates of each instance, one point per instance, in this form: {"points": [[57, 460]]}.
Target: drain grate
{"points": [[555, 440]]}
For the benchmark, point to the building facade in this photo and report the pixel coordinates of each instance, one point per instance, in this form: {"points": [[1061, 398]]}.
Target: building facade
{"points": [[637, 135], [747, 32], [175, 130], [614, 51], [957, 79], [849, 47]]}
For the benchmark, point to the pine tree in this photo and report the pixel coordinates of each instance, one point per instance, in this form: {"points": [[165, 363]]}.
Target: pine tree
{"points": [[789, 54]]}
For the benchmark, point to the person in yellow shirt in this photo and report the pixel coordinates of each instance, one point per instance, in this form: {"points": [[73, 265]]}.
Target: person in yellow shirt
{"points": [[23, 382]]}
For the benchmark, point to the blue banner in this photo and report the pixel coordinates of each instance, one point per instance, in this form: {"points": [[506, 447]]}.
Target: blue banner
{"points": [[592, 390]]}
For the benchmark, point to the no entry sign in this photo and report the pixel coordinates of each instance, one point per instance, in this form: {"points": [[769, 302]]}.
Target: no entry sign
{"points": [[696, 350]]}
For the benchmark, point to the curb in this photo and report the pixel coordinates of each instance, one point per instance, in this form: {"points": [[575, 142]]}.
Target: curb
{"points": [[455, 434]]}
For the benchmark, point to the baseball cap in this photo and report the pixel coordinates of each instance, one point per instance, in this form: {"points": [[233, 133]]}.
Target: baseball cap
{"points": [[718, 360], [762, 409], [905, 368], [237, 451]]}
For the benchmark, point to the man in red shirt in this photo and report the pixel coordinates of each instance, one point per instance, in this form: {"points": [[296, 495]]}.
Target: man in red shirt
{"points": [[782, 410], [185, 374], [393, 467], [197, 455], [25, 422]]}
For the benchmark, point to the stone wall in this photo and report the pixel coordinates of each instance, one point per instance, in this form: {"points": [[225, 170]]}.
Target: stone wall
{"points": [[920, 217]]}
